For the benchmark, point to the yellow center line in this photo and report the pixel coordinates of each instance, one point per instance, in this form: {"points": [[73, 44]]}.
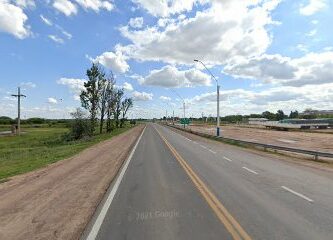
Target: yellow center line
{"points": [[230, 223]]}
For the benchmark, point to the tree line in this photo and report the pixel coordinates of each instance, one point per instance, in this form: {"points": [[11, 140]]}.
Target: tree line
{"points": [[271, 116], [105, 104]]}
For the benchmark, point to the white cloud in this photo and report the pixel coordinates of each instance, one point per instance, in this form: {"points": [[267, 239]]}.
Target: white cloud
{"points": [[28, 85], [70, 7], [95, 5], [75, 85], [114, 61], [226, 32], [312, 33], [25, 3], [246, 101], [171, 77], [136, 22], [142, 96], [67, 34], [167, 7], [311, 69], [12, 20], [46, 20], [312, 7], [163, 98], [65, 6], [56, 39], [52, 100], [302, 47], [127, 86]]}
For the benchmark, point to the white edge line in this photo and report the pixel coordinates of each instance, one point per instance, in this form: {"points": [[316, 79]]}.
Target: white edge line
{"points": [[212, 151], [297, 194], [99, 220], [188, 139], [250, 170], [203, 146], [227, 159]]}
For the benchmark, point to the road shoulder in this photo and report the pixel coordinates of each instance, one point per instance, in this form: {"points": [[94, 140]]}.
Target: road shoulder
{"points": [[56, 202]]}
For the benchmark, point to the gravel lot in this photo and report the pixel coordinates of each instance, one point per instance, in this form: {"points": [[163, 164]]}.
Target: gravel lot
{"points": [[304, 140]]}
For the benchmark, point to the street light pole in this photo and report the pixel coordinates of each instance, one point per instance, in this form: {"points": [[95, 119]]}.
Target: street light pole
{"points": [[183, 105], [184, 112], [217, 97], [18, 95]]}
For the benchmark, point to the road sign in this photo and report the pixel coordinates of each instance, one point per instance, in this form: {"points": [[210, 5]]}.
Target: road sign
{"points": [[185, 121]]}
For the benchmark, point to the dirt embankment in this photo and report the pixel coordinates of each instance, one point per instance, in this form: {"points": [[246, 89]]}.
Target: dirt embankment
{"points": [[304, 140], [56, 202]]}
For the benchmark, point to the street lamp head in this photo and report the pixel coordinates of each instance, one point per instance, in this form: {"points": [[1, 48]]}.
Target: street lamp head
{"points": [[196, 60]]}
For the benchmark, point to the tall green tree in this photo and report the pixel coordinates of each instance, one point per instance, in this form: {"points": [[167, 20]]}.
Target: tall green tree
{"points": [[91, 95], [280, 115], [269, 115], [125, 105], [110, 101], [118, 96], [103, 85], [293, 114]]}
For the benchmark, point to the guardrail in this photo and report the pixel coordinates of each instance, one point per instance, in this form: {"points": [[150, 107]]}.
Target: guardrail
{"points": [[263, 145]]}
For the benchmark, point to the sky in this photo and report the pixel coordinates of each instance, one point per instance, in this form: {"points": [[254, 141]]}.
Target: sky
{"points": [[265, 54]]}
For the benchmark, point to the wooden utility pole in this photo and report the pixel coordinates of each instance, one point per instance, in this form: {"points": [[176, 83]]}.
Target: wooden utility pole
{"points": [[18, 95]]}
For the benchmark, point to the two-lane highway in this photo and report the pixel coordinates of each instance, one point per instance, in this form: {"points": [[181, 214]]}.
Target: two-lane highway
{"points": [[177, 187]]}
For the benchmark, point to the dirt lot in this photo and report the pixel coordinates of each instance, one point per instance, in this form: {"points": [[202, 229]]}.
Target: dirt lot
{"points": [[56, 202], [304, 140]]}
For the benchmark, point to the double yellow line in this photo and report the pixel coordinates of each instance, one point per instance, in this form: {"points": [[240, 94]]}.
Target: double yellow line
{"points": [[230, 223]]}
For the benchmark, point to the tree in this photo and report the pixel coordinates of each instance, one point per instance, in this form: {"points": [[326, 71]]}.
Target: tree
{"points": [[293, 114], [269, 115], [280, 115], [110, 101], [309, 114], [90, 96], [102, 85], [6, 120], [125, 105], [80, 125], [118, 95]]}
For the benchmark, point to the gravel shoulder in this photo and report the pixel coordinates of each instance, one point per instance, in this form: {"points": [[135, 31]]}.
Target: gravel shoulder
{"points": [[303, 140], [56, 202]]}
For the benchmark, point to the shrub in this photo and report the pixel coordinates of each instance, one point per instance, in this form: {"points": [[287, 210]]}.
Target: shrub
{"points": [[80, 126]]}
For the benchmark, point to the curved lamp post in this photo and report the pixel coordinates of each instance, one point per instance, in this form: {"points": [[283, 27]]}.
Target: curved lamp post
{"points": [[218, 97]]}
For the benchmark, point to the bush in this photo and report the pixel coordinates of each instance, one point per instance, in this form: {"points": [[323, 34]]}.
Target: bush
{"points": [[132, 122], [35, 120], [80, 126], [6, 120]]}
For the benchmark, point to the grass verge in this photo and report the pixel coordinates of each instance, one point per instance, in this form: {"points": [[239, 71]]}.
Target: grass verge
{"points": [[39, 147]]}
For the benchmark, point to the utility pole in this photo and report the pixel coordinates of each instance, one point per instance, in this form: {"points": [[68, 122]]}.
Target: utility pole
{"points": [[173, 117], [18, 95], [217, 97], [184, 112], [183, 105]]}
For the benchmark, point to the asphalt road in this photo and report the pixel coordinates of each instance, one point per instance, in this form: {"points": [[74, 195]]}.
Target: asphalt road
{"points": [[179, 186]]}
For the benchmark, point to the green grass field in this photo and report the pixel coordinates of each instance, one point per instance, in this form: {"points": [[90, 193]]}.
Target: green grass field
{"points": [[39, 147]]}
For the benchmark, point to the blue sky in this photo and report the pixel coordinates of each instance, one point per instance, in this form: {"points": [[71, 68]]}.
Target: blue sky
{"points": [[267, 54]]}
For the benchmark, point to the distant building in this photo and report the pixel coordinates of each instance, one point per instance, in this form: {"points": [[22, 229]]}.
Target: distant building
{"points": [[257, 121]]}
